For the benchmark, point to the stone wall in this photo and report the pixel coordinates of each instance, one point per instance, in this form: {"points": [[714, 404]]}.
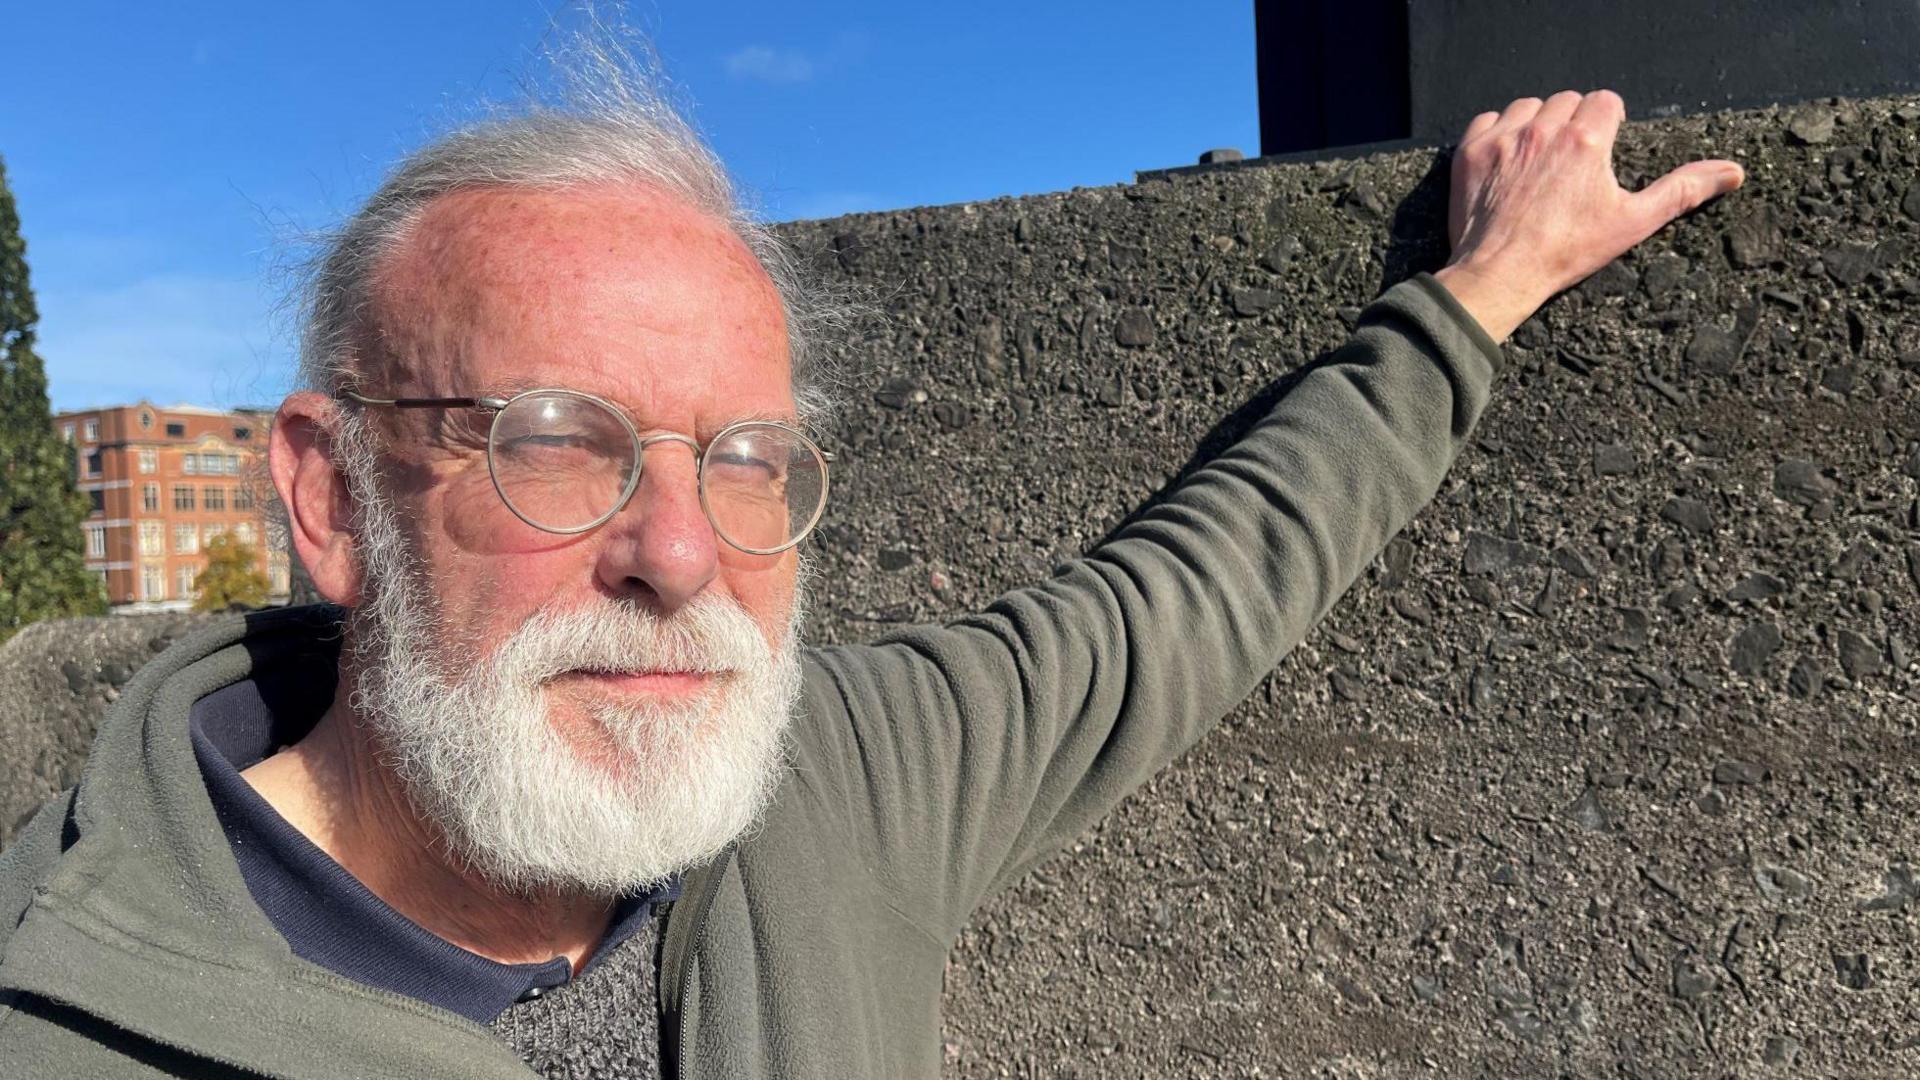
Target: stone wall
{"points": [[56, 681], [1607, 766]]}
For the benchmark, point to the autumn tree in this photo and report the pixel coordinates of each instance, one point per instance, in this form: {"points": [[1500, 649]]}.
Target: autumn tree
{"points": [[232, 577], [43, 569]]}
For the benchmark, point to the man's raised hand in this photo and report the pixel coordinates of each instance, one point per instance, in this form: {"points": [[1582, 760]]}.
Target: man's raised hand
{"points": [[1535, 208]]}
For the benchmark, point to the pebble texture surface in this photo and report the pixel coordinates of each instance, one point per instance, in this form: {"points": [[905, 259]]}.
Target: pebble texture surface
{"points": [[56, 680], [1608, 766]]}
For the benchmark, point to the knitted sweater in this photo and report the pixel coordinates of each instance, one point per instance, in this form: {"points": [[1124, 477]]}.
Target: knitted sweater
{"points": [[602, 1026]]}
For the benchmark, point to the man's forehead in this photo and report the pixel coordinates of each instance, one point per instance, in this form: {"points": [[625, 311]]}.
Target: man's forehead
{"points": [[465, 231], [518, 287]]}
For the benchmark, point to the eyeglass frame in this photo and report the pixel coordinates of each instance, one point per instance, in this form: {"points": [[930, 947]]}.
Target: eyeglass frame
{"points": [[498, 406]]}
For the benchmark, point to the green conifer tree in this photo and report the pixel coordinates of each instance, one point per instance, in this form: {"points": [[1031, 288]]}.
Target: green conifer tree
{"points": [[43, 572]]}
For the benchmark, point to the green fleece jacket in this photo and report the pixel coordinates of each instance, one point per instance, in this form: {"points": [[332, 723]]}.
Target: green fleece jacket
{"points": [[931, 769]]}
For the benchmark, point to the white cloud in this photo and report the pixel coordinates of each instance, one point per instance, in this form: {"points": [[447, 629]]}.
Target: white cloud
{"points": [[168, 338], [769, 65]]}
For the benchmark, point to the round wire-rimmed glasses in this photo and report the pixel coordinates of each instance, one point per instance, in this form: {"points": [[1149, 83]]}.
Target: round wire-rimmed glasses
{"points": [[566, 462]]}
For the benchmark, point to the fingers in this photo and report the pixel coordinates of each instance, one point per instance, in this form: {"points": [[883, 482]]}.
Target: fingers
{"points": [[1684, 189], [1517, 114], [1479, 124], [1552, 113], [1557, 110], [1601, 114]]}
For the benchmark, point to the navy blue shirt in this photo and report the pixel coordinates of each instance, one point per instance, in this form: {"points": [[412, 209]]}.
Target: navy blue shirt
{"points": [[324, 912]]}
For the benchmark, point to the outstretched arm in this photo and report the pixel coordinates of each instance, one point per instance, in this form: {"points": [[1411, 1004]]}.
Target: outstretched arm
{"points": [[959, 755]]}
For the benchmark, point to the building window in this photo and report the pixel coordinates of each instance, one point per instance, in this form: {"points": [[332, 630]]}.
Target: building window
{"points": [[93, 463], [182, 497], [243, 532], [93, 431], [97, 541], [233, 464], [99, 500], [215, 498], [242, 434], [146, 420], [153, 538], [150, 497], [66, 432], [149, 461], [176, 431], [191, 465], [186, 540], [243, 497], [153, 581], [183, 581]]}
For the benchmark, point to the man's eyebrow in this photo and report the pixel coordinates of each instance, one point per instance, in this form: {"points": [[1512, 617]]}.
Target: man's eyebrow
{"points": [[786, 418], [512, 385], [516, 384]]}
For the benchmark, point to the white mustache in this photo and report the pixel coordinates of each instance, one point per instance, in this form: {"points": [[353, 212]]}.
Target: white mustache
{"points": [[711, 636]]}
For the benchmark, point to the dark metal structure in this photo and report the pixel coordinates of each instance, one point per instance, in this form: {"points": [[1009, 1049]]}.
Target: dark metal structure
{"points": [[1334, 73]]}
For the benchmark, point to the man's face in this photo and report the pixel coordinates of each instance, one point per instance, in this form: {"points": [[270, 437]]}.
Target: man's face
{"points": [[593, 710], [620, 292]]}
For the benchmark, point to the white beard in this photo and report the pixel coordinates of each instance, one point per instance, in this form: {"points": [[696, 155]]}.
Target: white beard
{"points": [[479, 759]]}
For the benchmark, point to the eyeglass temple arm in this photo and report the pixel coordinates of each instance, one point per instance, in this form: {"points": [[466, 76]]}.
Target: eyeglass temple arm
{"points": [[496, 404]]}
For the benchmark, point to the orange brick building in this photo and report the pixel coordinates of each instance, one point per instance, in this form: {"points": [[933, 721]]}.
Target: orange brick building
{"points": [[164, 481]]}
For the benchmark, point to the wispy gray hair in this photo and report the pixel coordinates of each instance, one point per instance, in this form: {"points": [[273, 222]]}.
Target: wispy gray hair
{"points": [[610, 121]]}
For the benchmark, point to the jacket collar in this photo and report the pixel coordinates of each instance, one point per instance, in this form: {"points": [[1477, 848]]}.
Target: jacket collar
{"points": [[323, 912], [146, 922]]}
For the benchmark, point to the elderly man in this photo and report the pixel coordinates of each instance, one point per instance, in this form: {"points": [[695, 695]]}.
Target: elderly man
{"points": [[553, 785]]}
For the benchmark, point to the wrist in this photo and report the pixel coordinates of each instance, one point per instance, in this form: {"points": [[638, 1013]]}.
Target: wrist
{"points": [[1493, 299]]}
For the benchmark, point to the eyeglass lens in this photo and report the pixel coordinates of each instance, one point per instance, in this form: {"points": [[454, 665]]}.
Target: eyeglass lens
{"points": [[563, 462]]}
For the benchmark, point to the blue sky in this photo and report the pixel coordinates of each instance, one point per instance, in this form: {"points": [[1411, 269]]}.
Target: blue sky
{"points": [[166, 157]]}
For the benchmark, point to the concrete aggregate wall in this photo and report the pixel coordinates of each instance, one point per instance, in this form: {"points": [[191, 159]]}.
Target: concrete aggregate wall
{"points": [[1606, 767], [56, 681]]}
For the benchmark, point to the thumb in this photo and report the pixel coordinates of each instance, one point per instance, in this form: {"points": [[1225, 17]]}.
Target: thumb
{"points": [[1685, 188]]}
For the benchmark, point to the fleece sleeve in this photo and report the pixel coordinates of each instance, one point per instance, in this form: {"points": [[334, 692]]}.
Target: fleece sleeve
{"points": [[961, 754]]}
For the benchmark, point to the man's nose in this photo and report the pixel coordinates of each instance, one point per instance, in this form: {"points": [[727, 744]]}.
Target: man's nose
{"points": [[661, 545]]}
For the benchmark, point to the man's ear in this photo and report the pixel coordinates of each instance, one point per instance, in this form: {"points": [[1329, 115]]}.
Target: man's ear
{"points": [[300, 456]]}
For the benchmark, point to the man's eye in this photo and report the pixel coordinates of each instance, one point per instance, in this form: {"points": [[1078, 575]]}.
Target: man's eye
{"points": [[741, 468], [549, 441]]}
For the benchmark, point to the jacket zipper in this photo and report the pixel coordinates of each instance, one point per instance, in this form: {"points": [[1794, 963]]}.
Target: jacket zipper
{"points": [[682, 958]]}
